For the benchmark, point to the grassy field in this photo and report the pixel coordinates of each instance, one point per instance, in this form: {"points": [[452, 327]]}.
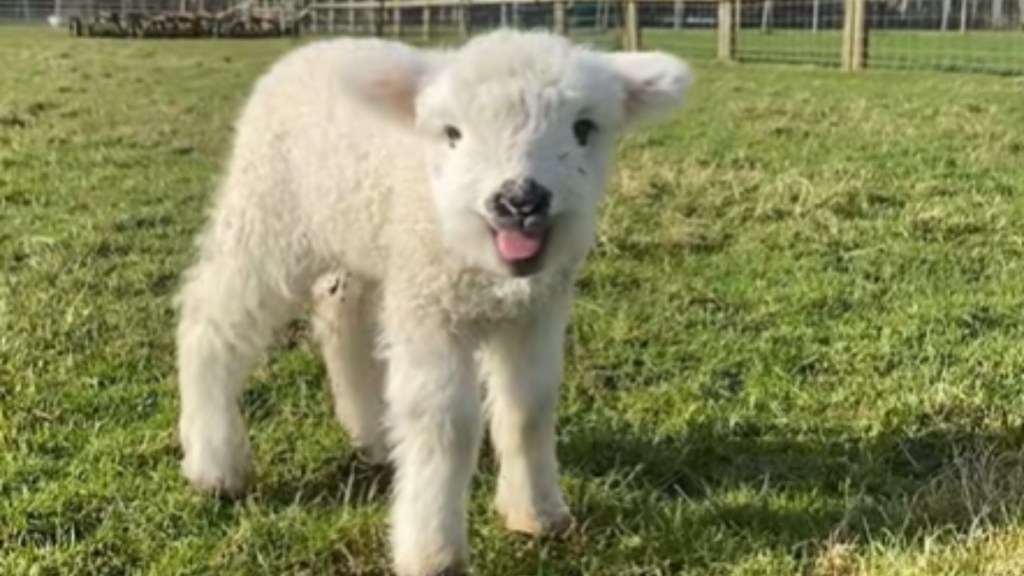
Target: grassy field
{"points": [[798, 348]]}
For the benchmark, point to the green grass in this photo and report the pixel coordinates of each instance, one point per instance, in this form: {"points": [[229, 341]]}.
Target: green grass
{"points": [[798, 348]]}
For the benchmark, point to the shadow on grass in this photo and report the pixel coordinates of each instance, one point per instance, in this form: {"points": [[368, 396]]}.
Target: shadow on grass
{"points": [[903, 484], [719, 493]]}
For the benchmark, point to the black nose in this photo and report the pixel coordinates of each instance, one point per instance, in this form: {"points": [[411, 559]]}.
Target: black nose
{"points": [[521, 199]]}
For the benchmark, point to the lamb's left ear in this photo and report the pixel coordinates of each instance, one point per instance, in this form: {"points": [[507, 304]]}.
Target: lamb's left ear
{"points": [[387, 76], [654, 82]]}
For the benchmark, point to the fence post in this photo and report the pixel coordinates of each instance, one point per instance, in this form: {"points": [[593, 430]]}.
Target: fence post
{"points": [[632, 27], [726, 30], [860, 36], [767, 16], [855, 35], [375, 16], [464, 19], [677, 14], [963, 16], [426, 22], [559, 17], [396, 27]]}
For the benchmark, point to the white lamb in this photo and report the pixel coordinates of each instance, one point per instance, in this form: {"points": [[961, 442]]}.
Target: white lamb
{"points": [[456, 192]]}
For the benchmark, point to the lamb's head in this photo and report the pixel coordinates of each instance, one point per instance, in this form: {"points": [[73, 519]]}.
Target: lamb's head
{"points": [[519, 130]]}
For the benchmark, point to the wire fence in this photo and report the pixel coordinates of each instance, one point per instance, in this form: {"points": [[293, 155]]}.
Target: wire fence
{"points": [[983, 35], [119, 17], [597, 26], [44, 12], [956, 35]]}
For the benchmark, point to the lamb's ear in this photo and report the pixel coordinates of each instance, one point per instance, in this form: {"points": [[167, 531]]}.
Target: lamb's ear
{"points": [[388, 76], [654, 82]]}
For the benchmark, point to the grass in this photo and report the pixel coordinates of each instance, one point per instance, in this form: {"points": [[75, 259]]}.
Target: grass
{"points": [[797, 348]]}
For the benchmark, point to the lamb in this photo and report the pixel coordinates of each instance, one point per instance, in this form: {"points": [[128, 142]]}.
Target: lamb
{"points": [[453, 194]]}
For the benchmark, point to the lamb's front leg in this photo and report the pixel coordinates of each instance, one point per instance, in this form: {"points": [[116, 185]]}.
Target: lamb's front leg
{"points": [[523, 363], [434, 428]]}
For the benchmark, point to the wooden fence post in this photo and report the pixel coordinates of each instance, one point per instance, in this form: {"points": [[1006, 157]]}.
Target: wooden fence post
{"points": [[376, 16], [464, 19], [855, 35], [560, 22], [844, 49], [632, 40], [860, 36], [726, 30], [396, 24], [678, 10], [426, 22]]}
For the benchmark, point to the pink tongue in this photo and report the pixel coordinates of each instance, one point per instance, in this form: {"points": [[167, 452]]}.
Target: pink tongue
{"points": [[514, 245]]}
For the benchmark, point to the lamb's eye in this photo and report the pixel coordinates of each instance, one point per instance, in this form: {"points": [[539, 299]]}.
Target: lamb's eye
{"points": [[583, 129], [452, 134]]}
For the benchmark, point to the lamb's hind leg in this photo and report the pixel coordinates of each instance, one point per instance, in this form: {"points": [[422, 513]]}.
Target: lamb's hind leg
{"points": [[344, 326], [229, 315]]}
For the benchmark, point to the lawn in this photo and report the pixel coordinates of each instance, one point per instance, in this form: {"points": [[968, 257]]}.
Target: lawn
{"points": [[798, 348]]}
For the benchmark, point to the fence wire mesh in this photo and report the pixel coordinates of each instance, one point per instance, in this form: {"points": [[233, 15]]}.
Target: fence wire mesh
{"points": [[598, 25], [796, 31], [955, 35], [967, 35], [684, 27], [36, 12]]}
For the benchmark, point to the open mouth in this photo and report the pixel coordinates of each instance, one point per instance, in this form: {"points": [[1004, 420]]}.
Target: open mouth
{"points": [[520, 249]]}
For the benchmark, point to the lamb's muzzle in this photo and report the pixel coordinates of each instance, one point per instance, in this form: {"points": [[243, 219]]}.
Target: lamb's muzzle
{"points": [[520, 215]]}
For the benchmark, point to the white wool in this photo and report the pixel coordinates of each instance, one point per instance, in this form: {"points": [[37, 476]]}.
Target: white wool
{"points": [[342, 164]]}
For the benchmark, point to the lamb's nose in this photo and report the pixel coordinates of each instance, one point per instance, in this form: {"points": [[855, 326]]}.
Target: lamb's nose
{"points": [[520, 199]]}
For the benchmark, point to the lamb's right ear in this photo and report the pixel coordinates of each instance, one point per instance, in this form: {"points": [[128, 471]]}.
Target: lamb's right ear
{"points": [[387, 76]]}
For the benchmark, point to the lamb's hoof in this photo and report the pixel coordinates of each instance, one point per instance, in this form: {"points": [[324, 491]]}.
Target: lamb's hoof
{"points": [[224, 482], [557, 523], [373, 453]]}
